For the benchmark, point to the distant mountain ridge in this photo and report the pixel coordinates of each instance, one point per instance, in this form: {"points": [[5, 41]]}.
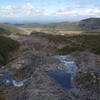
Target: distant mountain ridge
{"points": [[86, 24], [8, 29], [91, 23]]}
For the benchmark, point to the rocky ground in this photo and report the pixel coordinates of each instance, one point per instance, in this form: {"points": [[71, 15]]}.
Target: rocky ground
{"points": [[87, 78], [33, 65], [40, 86]]}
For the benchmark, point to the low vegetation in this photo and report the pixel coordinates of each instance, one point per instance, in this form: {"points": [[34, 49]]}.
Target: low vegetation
{"points": [[89, 43], [4, 32], [7, 46], [87, 25], [11, 29]]}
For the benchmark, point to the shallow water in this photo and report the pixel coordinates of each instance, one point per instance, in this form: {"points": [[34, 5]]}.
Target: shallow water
{"points": [[63, 78], [8, 80], [33, 49]]}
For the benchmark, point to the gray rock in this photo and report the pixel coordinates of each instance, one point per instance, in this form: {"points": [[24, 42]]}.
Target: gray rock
{"points": [[86, 80]]}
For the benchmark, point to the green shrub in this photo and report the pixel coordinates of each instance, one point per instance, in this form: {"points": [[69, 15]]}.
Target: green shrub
{"points": [[7, 46], [38, 33], [82, 43], [68, 49], [73, 43], [18, 33]]}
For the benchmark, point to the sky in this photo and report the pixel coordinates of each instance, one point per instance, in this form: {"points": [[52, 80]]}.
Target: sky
{"points": [[43, 11]]}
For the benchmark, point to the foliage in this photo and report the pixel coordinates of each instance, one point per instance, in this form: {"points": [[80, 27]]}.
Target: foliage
{"points": [[7, 46], [38, 33], [74, 43]]}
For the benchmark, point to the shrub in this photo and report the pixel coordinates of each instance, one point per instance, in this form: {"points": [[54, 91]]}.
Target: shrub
{"points": [[7, 46], [74, 43]]}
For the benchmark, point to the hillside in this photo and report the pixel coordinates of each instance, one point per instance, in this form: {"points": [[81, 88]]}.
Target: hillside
{"points": [[83, 25], [7, 47], [9, 29], [62, 25], [90, 24], [67, 44], [4, 31]]}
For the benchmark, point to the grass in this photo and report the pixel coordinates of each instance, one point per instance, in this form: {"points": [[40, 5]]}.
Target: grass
{"points": [[7, 46], [89, 43]]}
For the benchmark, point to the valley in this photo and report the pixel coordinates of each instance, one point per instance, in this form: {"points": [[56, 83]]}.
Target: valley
{"points": [[50, 62]]}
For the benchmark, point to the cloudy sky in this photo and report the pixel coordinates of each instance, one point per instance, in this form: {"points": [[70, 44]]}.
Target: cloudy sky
{"points": [[48, 10]]}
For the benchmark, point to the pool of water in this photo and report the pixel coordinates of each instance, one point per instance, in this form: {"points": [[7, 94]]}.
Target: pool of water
{"points": [[64, 74], [63, 78], [8, 80]]}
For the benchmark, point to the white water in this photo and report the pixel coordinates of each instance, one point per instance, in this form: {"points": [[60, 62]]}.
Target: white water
{"points": [[1, 68], [69, 65], [8, 80], [17, 84], [21, 83]]}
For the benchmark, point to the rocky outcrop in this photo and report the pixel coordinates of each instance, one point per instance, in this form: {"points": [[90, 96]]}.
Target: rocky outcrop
{"points": [[39, 86], [86, 59], [87, 83], [86, 80], [31, 68]]}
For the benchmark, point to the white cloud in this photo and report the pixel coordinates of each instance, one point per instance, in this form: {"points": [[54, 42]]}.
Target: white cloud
{"points": [[22, 0], [78, 13], [64, 9], [26, 10], [30, 11], [28, 6]]}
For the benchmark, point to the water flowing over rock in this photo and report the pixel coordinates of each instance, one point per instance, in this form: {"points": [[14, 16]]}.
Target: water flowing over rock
{"points": [[69, 65]]}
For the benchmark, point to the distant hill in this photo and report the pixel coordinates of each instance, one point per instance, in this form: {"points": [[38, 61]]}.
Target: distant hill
{"points": [[90, 24], [62, 25], [4, 32], [7, 49], [87, 24], [8, 29]]}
